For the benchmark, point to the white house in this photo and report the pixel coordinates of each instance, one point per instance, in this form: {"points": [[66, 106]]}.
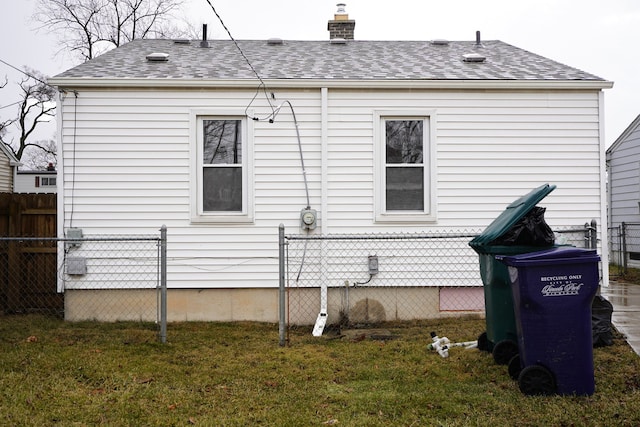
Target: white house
{"points": [[396, 136], [623, 164], [36, 181], [8, 167]]}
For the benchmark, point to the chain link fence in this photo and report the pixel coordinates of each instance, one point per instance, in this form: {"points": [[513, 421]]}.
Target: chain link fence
{"points": [[364, 280], [624, 246], [350, 279], [100, 278]]}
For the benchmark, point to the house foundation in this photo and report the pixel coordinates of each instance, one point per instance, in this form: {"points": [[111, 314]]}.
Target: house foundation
{"points": [[360, 305]]}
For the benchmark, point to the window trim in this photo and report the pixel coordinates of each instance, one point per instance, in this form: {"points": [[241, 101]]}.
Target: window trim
{"points": [[46, 181], [198, 215], [429, 214]]}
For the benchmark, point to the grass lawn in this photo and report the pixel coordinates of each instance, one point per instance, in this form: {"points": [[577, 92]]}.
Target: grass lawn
{"points": [[216, 374]]}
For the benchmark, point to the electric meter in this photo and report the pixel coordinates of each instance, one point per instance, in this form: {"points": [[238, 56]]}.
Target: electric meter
{"points": [[308, 218]]}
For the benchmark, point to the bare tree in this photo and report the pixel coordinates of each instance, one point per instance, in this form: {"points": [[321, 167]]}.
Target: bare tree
{"points": [[4, 124], [87, 28], [36, 105], [40, 156]]}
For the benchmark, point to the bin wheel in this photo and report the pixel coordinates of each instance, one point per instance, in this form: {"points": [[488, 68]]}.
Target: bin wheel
{"points": [[514, 367], [483, 342], [504, 350], [536, 380]]}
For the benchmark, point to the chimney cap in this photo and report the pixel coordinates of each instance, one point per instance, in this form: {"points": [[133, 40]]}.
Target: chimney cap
{"points": [[341, 14], [341, 26]]}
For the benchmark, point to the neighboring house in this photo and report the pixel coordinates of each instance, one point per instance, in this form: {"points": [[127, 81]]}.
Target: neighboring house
{"points": [[8, 167], [397, 136], [36, 181], [623, 167]]}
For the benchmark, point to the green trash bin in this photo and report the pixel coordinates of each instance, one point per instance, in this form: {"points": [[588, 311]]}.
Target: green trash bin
{"points": [[501, 238]]}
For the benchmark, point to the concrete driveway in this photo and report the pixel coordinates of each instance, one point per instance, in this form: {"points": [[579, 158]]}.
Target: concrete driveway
{"points": [[625, 298]]}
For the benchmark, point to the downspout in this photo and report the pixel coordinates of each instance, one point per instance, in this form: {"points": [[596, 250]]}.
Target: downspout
{"points": [[60, 187], [324, 291], [604, 231], [324, 157]]}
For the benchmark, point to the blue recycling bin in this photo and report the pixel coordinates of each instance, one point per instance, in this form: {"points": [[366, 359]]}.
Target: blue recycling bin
{"points": [[553, 291]]}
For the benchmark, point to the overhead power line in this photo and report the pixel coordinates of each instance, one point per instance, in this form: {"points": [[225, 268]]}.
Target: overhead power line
{"points": [[25, 73], [262, 84], [10, 105]]}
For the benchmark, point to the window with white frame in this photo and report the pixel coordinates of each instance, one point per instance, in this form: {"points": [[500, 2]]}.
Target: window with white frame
{"points": [[221, 193], [48, 181], [44, 181], [405, 167]]}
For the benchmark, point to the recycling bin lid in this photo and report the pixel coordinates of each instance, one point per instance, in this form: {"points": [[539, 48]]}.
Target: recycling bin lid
{"points": [[511, 215], [555, 255]]}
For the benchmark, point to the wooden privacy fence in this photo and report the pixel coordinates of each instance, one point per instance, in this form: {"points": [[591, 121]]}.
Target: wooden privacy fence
{"points": [[28, 268]]}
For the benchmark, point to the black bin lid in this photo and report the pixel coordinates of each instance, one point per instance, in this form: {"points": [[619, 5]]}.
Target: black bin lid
{"points": [[511, 215]]}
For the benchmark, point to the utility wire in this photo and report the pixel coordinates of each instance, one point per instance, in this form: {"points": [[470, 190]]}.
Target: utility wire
{"points": [[27, 74], [262, 83], [304, 171], [274, 111], [10, 105], [235, 42], [271, 118]]}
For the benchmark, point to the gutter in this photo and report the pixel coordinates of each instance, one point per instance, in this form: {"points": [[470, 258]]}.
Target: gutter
{"points": [[79, 82]]}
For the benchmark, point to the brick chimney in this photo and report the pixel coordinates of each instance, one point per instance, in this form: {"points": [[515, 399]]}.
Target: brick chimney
{"points": [[341, 27]]}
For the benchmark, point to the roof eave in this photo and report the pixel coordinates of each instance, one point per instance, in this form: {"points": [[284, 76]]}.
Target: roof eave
{"points": [[623, 136], [13, 160], [78, 83]]}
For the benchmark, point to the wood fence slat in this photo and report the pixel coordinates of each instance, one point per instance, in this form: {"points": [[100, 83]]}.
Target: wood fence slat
{"points": [[28, 215]]}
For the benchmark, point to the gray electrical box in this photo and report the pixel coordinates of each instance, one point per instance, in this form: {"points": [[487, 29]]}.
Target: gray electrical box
{"points": [[73, 233], [76, 266], [373, 264]]}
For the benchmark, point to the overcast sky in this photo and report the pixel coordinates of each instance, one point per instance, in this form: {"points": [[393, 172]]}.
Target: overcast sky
{"points": [[600, 37]]}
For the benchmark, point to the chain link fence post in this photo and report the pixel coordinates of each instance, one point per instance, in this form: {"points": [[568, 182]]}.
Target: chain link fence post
{"points": [[591, 234], [623, 247], [163, 284], [281, 291]]}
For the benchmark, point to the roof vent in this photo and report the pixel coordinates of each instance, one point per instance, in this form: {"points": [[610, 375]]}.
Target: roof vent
{"points": [[275, 42], [158, 57], [474, 57], [204, 43], [478, 40], [338, 41], [440, 42]]}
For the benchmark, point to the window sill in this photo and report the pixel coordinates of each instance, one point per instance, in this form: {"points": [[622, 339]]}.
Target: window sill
{"points": [[405, 218], [222, 219]]}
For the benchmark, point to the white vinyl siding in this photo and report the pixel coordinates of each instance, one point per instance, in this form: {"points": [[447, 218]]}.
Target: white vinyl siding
{"points": [[128, 163], [6, 174], [492, 147], [624, 180]]}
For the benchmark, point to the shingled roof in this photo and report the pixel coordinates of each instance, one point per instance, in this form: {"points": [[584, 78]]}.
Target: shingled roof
{"points": [[352, 60]]}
